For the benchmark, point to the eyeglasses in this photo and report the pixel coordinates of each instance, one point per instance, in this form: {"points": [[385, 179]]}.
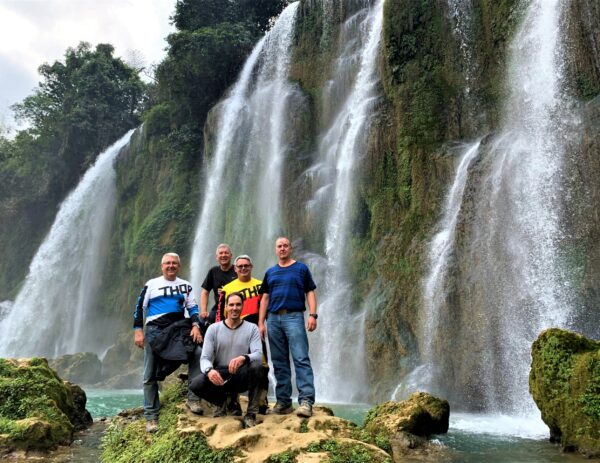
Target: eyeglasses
{"points": [[244, 266]]}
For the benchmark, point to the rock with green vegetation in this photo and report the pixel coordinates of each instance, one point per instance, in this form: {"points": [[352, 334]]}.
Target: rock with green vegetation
{"points": [[37, 409], [565, 384], [80, 368], [183, 436], [404, 426]]}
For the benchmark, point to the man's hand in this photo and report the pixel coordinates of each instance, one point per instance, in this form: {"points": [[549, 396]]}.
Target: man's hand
{"points": [[138, 338], [262, 329], [203, 314], [215, 377], [236, 363], [311, 323], [196, 334]]}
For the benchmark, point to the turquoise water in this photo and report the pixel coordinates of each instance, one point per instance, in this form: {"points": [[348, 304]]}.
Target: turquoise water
{"points": [[103, 402], [472, 438]]}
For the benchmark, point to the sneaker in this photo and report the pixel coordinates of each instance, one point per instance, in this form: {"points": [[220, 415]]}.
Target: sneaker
{"points": [[263, 409], [249, 420], [304, 410], [282, 409], [151, 426], [194, 406]]}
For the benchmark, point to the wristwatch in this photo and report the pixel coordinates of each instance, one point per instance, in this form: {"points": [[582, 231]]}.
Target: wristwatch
{"points": [[208, 370], [313, 315]]}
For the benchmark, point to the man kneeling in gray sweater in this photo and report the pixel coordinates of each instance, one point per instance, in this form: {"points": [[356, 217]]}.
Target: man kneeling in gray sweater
{"points": [[231, 361]]}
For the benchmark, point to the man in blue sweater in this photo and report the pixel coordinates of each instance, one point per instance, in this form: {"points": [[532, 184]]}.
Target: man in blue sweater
{"points": [[285, 290]]}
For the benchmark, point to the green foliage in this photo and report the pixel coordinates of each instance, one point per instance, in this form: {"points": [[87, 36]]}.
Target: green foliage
{"points": [[590, 399], [304, 426], [129, 443], [200, 66], [284, 457], [195, 14], [341, 452]]}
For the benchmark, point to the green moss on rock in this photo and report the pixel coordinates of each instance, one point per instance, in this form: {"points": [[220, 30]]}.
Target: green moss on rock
{"points": [[37, 409], [565, 384], [129, 443]]}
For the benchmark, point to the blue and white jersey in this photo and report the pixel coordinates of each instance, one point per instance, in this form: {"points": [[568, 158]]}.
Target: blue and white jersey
{"points": [[164, 301]]}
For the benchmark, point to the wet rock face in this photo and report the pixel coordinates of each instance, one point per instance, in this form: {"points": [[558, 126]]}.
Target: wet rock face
{"points": [[565, 384], [81, 368], [37, 409]]}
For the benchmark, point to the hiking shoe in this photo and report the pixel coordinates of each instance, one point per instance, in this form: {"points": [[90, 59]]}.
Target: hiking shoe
{"points": [[195, 407], [282, 409], [220, 411], [304, 410], [233, 407], [249, 420], [151, 426]]}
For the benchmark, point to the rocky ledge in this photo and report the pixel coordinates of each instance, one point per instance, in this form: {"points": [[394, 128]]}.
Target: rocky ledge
{"points": [[565, 384], [183, 436], [38, 410]]}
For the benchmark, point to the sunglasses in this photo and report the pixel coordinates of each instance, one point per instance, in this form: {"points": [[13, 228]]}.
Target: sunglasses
{"points": [[243, 266]]}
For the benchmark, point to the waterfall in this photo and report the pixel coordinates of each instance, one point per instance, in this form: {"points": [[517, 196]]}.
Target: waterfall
{"points": [[241, 200], [53, 314], [440, 253], [506, 282], [340, 336]]}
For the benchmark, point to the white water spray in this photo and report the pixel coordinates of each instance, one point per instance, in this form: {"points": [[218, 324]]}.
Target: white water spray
{"points": [[54, 311]]}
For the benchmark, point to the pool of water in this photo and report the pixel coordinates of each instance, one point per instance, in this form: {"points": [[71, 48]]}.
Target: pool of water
{"points": [[103, 402]]}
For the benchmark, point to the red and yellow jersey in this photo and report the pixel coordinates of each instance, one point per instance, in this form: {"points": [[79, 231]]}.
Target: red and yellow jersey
{"points": [[251, 298]]}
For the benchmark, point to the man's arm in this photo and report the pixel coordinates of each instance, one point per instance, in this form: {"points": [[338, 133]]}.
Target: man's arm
{"points": [[311, 298], [204, 303], [138, 318], [262, 315], [255, 352]]}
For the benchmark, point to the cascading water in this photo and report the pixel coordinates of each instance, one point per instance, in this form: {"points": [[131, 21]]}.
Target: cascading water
{"points": [[53, 314], [242, 194], [505, 283], [339, 344]]}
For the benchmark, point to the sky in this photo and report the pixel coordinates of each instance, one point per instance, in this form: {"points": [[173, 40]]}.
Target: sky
{"points": [[33, 32]]}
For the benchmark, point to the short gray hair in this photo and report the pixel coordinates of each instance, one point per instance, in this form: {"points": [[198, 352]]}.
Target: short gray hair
{"points": [[223, 245], [170, 254], [243, 256]]}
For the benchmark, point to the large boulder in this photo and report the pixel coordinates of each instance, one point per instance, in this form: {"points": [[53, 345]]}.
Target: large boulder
{"points": [[406, 425], [565, 384], [37, 409], [81, 368]]}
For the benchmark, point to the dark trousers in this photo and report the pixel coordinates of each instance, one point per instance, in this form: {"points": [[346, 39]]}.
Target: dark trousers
{"points": [[248, 378]]}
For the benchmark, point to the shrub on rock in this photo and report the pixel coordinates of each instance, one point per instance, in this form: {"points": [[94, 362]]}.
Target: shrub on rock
{"points": [[565, 384]]}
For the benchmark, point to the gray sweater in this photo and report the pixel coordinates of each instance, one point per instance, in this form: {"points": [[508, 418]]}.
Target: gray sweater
{"points": [[221, 344]]}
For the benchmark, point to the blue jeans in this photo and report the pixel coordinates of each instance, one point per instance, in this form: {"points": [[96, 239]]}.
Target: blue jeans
{"points": [[151, 399], [287, 334]]}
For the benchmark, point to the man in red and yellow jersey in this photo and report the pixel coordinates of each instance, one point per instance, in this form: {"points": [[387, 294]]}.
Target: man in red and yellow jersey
{"points": [[249, 287], [243, 284]]}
